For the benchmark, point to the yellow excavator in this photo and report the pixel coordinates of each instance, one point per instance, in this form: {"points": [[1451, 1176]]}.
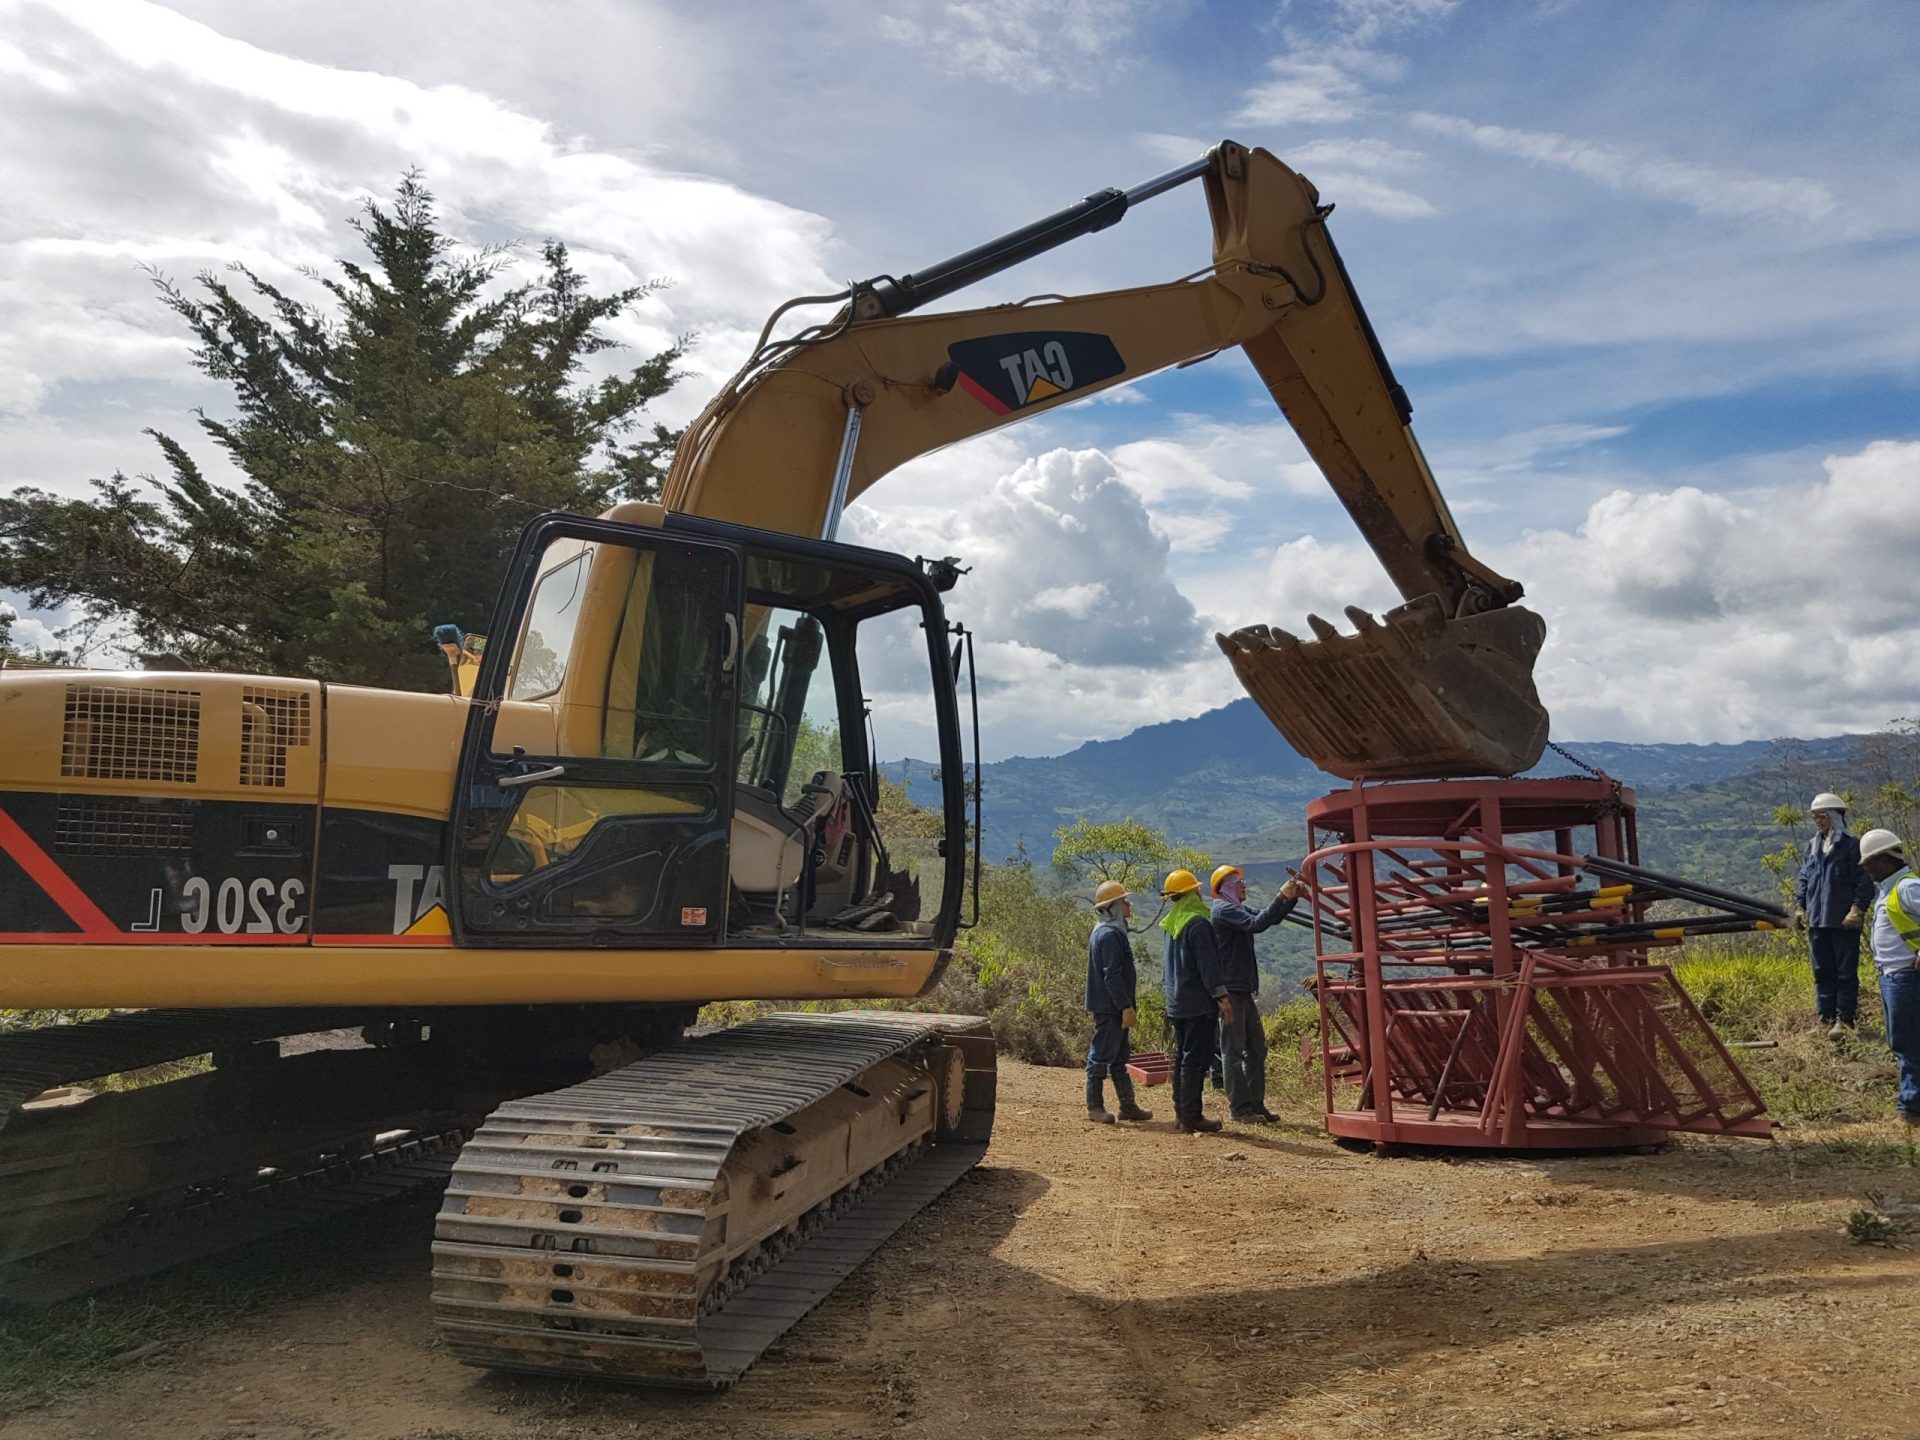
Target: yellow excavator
{"points": [[663, 790]]}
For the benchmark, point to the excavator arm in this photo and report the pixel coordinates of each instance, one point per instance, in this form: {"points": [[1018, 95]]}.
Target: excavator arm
{"points": [[1443, 686]]}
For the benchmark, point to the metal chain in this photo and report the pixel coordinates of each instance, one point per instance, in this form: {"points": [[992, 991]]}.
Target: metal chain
{"points": [[1592, 770], [1567, 754]]}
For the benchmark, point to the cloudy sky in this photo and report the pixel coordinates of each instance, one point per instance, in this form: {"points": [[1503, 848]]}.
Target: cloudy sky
{"points": [[1650, 273]]}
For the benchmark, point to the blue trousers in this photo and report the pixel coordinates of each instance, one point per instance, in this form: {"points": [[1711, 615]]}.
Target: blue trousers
{"points": [[1109, 1052], [1836, 972], [1900, 994]]}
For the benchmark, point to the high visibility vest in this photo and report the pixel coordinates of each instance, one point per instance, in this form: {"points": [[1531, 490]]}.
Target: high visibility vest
{"points": [[1904, 925]]}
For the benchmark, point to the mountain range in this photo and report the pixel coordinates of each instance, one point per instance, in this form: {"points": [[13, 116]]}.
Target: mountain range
{"points": [[1227, 782]]}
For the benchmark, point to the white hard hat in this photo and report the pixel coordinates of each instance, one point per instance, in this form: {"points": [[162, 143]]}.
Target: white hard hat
{"points": [[1827, 800], [1880, 842]]}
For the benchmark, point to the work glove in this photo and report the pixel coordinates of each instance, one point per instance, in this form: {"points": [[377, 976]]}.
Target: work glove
{"points": [[1226, 1008], [1127, 1017], [1293, 889], [1799, 919], [1854, 919]]}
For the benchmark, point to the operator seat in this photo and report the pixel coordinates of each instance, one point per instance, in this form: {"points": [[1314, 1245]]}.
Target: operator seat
{"points": [[770, 840]]}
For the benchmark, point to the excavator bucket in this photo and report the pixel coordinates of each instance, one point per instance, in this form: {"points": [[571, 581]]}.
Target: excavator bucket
{"points": [[1414, 694]]}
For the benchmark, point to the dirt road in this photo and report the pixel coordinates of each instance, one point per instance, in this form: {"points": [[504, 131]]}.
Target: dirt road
{"points": [[1256, 1283]]}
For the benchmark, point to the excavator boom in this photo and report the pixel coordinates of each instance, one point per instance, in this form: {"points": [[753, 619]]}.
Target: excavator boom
{"points": [[1442, 687]]}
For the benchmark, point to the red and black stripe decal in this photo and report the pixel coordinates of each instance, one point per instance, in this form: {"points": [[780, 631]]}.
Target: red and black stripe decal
{"points": [[44, 871]]}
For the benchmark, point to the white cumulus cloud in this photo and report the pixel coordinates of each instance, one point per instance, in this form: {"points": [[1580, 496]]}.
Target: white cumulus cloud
{"points": [[1083, 632], [1066, 561], [1683, 615]]}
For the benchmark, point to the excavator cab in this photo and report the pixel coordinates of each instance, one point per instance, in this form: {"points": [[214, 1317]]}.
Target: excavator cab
{"points": [[676, 748]]}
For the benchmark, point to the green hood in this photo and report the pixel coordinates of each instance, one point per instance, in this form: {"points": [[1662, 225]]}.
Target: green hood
{"points": [[1188, 907]]}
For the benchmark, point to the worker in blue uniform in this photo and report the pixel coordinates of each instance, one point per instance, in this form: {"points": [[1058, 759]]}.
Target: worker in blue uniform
{"points": [[1113, 1001], [1830, 902], [1197, 999], [1243, 1039]]}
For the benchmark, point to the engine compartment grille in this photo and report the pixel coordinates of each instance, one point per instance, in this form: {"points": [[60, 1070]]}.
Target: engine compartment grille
{"points": [[271, 722], [87, 826], [126, 732]]}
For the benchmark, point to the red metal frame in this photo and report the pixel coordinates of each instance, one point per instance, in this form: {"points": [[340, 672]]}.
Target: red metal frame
{"points": [[1474, 991]]}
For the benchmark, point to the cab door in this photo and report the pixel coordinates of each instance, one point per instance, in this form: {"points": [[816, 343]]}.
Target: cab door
{"points": [[594, 794]]}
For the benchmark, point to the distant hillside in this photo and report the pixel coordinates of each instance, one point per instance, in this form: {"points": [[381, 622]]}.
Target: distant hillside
{"points": [[1225, 772], [1227, 781]]}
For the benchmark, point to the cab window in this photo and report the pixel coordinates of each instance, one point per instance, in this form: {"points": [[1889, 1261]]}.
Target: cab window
{"points": [[541, 663], [790, 716]]}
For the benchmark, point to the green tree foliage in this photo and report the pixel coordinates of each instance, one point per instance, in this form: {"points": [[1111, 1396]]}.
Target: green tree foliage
{"points": [[1139, 857], [1880, 782], [1887, 763], [1783, 864], [392, 440], [815, 748]]}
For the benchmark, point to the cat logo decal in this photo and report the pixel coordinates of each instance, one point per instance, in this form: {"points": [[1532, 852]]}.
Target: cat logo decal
{"points": [[1010, 372]]}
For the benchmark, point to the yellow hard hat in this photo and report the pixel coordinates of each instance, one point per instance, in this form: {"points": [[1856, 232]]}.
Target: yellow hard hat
{"points": [[1220, 873], [1180, 882], [1108, 892]]}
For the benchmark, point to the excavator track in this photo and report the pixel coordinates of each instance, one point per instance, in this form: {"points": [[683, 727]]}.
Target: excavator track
{"points": [[77, 1163], [664, 1223], [35, 1061], [271, 1203], [104, 1183]]}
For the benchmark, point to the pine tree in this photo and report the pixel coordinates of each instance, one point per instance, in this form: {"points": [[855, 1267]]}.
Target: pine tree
{"points": [[392, 441]]}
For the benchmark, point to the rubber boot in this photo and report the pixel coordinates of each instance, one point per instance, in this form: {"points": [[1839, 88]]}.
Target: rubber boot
{"points": [[1191, 1119], [1097, 1103], [1129, 1108]]}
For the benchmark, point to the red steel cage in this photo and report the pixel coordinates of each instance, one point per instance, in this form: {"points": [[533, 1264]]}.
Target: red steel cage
{"points": [[1483, 969]]}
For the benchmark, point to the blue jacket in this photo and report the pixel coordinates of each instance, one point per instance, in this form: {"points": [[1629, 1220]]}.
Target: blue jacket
{"points": [[1111, 984], [1234, 927], [1191, 977], [1832, 883]]}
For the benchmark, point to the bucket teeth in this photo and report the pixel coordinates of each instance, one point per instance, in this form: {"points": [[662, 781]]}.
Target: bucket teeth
{"points": [[1413, 693], [1252, 639]]}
